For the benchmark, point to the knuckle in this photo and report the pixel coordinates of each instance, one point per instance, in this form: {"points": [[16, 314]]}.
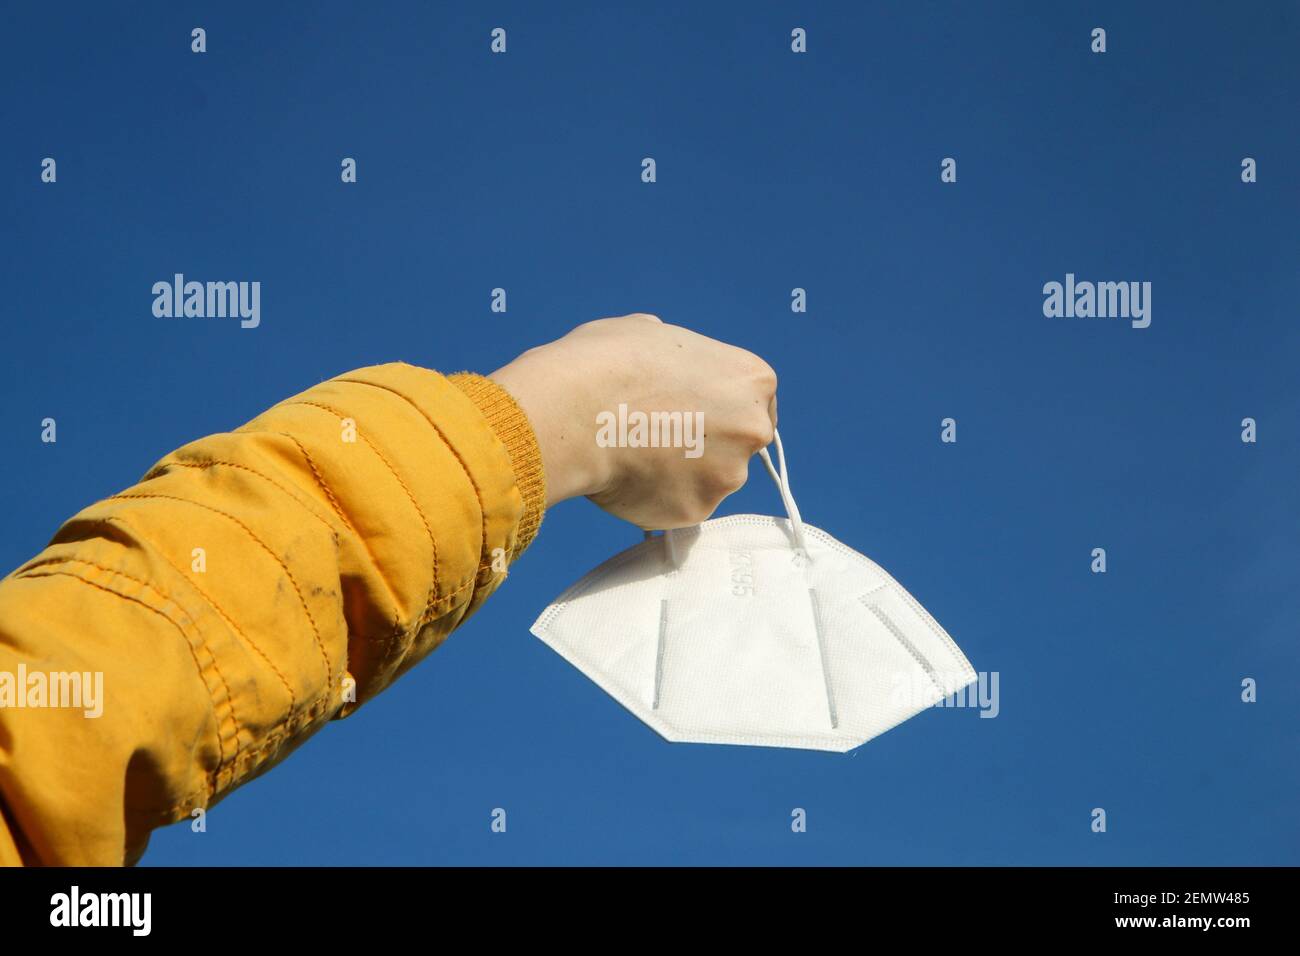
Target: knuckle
{"points": [[705, 511], [724, 480], [759, 372], [738, 477], [688, 514]]}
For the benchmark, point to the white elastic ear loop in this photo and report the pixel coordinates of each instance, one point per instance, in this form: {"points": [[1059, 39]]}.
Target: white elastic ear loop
{"points": [[670, 546], [782, 479], [783, 486]]}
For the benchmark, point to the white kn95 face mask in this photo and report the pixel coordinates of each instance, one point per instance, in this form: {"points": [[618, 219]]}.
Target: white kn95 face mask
{"points": [[755, 630]]}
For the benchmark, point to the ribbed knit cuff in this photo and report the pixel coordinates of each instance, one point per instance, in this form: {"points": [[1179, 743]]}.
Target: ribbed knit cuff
{"points": [[511, 425]]}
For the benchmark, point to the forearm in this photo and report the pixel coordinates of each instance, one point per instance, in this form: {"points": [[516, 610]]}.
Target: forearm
{"points": [[253, 585]]}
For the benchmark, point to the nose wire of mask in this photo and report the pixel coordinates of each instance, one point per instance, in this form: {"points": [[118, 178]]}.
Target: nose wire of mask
{"points": [[802, 557], [782, 478]]}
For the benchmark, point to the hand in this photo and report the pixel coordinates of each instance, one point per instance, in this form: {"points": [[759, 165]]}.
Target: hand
{"points": [[572, 389]]}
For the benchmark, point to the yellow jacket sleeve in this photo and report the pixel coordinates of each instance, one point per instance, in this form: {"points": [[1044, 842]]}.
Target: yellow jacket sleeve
{"points": [[252, 586]]}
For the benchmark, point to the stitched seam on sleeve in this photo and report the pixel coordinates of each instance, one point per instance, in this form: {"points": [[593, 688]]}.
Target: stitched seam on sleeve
{"points": [[293, 699], [433, 594], [484, 570], [347, 522], [212, 703], [213, 783], [205, 463], [271, 742], [478, 493], [320, 483], [320, 644]]}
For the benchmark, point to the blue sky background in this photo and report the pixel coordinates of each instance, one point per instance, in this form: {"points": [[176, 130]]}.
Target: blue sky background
{"points": [[775, 170]]}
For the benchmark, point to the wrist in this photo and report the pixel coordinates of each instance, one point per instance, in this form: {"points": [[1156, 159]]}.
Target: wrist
{"points": [[509, 422], [554, 397]]}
